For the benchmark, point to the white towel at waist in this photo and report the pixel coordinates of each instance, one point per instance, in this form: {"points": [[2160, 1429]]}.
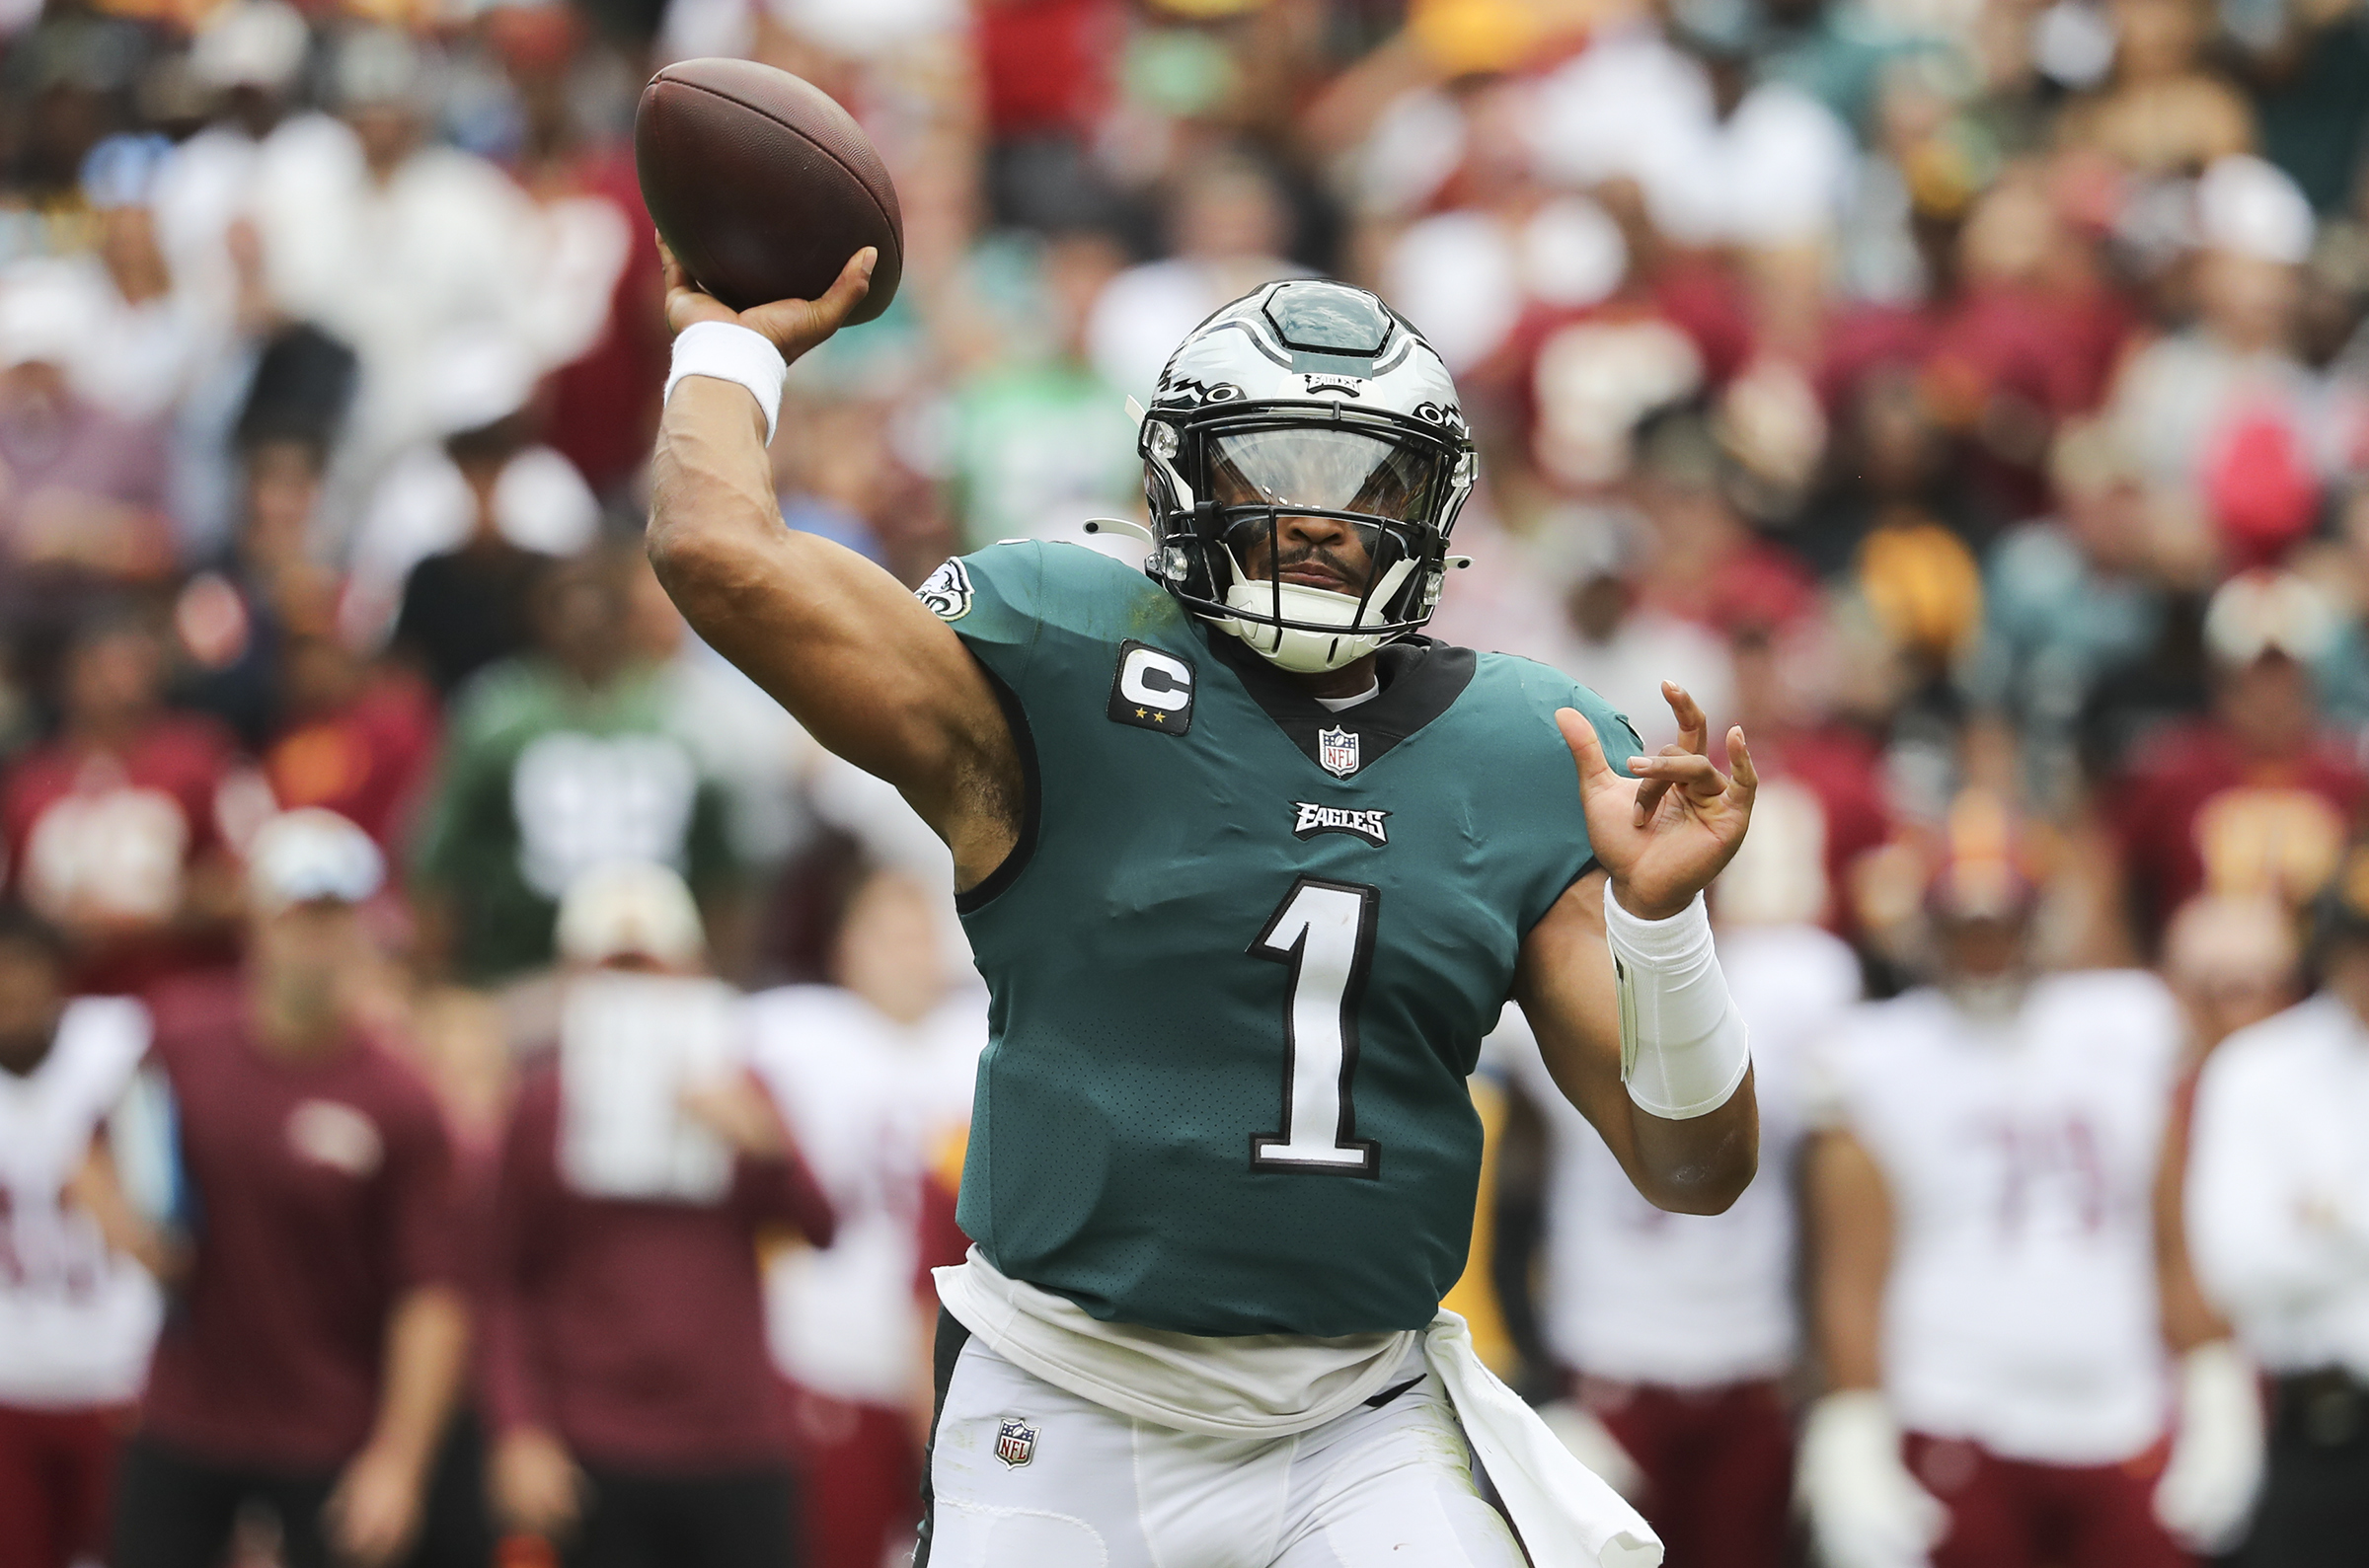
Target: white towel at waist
{"points": [[1270, 1385]]}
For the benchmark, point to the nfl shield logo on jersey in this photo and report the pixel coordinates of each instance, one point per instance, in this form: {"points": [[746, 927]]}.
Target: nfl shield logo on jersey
{"points": [[1015, 1442], [1337, 749]]}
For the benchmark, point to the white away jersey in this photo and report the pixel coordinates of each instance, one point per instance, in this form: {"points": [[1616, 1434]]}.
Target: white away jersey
{"points": [[870, 1102], [2019, 1158], [1691, 1300], [76, 1319]]}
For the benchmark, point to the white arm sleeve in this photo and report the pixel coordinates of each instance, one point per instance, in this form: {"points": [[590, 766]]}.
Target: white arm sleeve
{"points": [[1684, 1047], [730, 353]]}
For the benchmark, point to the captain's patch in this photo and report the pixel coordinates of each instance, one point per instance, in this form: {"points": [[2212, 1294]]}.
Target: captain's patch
{"points": [[1153, 690]]}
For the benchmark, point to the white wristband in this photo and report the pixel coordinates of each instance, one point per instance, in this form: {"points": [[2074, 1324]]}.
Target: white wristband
{"points": [[727, 351], [1684, 1047]]}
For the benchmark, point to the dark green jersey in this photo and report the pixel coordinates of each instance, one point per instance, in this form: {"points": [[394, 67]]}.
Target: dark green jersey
{"points": [[1245, 954]]}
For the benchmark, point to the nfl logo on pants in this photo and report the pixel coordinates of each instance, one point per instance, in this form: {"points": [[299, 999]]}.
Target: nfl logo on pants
{"points": [[1015, 1442]]}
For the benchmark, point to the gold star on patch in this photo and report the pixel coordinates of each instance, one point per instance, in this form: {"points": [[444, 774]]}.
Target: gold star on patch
{"points": [[1159, 718], [1139, 713]]}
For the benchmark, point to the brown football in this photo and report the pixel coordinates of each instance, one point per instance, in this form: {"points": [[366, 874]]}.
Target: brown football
{"points": [[762, 185]]}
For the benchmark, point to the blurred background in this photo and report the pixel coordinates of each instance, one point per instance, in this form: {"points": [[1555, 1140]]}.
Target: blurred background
{"points": [[1968, 397]]}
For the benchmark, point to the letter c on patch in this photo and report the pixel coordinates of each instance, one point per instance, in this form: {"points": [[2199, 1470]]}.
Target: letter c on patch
{"points": [[1153, 679]]}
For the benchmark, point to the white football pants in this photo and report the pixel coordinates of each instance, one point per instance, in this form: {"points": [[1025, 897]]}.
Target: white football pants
{"points": [[1379, 1487]]}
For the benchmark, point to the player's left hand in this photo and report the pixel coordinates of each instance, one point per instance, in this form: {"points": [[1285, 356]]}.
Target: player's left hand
{"points": [[1667, 830], [375, 1509]]}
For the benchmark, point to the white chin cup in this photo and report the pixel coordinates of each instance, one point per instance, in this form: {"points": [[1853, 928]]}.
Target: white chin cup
{"points": [[1294, 647]]}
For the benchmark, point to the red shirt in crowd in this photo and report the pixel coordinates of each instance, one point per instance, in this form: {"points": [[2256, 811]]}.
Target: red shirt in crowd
{"points": [[324, 1194], [368, 762], [2200, 811], [636, 1329], [103, 842]]}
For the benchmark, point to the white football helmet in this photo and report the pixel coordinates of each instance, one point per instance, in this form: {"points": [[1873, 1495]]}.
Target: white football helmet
{"points": [[1309, 400]]}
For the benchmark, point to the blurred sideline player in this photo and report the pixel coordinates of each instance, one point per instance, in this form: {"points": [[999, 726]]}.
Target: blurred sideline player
{"points": [[1251, 869], [2278, 1218], [625, 1365], [1679, 1329], [1988, 1274], [319, 1327], [77, 1316], [874, 1073], [2233, 961]]}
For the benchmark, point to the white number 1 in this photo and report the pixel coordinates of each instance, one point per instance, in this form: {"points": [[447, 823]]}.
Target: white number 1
{"points": [[1325, 931]]}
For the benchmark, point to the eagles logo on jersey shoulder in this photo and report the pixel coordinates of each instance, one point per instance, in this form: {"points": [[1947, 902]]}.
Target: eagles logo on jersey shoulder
{"points": [[948, 591]]}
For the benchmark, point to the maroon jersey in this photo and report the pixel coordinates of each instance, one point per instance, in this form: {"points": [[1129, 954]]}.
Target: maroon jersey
{"points": [[368, 762], [636, 1329], [103, 842], [2202, 813], [324, 1193]]}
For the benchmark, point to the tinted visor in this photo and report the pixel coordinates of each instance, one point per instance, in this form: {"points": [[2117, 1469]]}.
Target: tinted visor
{"points": [[1323, 471]]}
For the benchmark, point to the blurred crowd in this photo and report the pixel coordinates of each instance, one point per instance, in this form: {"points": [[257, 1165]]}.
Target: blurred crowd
{"points": [[1969, 397]]}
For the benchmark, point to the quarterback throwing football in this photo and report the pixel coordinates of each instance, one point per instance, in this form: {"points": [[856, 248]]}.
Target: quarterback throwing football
{"points": [[1249, 867]]}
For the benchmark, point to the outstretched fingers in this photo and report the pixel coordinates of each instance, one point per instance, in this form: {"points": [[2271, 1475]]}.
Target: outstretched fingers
{"points": [[1694, 730], [1739, 765], [1595, 774], [1689, 771]]}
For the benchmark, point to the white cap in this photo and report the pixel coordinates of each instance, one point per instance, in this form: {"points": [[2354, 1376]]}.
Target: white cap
{"points": [[249, 43], [379, 65], [2260, 612], [299, 857], [477, 379], [630, 907], [2248, 207], [49, 309]]}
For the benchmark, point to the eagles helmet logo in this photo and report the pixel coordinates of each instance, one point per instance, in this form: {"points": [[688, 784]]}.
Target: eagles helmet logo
{"points": [[1337, 749], [1015, 1442], [948, 591]]}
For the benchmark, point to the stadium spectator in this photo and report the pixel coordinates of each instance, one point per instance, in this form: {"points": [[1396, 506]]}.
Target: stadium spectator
{"points": [[627, 1370], [459, 525], [874, 1072], [2255, 798], [1041, 442], [318, 1329], [2276, 1205], [2225, 413], [120, 829], [2068, 600], [1614, 644], [556, 762], [86, 497], [1228, 228], [351, 738], [77, 1316]]}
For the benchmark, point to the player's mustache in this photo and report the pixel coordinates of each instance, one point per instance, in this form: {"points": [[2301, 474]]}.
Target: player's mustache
{"points": [[1330, 560]]}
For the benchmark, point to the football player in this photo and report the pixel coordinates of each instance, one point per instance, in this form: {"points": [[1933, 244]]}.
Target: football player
{"points": [[1990, 1276], [1681, 1332], [1249, 867]]}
